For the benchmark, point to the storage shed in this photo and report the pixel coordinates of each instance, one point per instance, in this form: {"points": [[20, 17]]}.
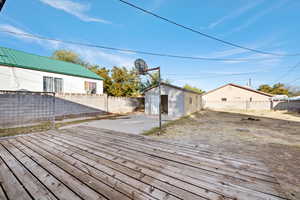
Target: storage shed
{"points": [[175, 101]]}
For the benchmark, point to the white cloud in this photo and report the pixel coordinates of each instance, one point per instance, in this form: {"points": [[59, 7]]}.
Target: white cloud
{"points": [[235, 13], [74, 8], [96, 56], [92, 55], [13, 29], [258, 15]]}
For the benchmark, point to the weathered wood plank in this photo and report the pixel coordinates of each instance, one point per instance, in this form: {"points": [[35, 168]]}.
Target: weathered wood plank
{"points": [[33, 186], [54, 185], [167, 167], [10, 184], [253, 166], [186, 160], [225, 190], [135, 173], [155, 192], [90, 169], [72, 182], [204, 151], [2, 194], [97, 185], [210, 161]]}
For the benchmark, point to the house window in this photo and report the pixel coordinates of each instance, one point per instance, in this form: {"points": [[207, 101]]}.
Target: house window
{"points": [[250, 99], [51, 84], [90, 87], [48, 84], [191, 100], [224, 99], [58, 85]]}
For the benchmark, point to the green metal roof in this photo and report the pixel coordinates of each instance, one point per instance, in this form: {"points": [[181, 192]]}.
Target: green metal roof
{"points": [[15, 58]]}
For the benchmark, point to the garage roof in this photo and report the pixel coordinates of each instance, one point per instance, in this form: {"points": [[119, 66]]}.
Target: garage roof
{"points": [[173, 86], [242, 87], [16, 58]]}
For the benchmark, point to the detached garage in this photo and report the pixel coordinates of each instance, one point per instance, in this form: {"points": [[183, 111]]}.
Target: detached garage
{"points": [[175, 101]]}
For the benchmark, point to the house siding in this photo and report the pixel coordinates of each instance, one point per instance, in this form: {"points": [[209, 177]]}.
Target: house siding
{"points": [[13, 78], [236, 98]]}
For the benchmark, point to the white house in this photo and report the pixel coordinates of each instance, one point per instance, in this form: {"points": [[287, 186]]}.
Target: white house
{"points": [[24, 71], [233, 96], [175, 101]]}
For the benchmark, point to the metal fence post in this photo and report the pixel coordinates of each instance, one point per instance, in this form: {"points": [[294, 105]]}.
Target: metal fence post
{"points": [[53, 111]]}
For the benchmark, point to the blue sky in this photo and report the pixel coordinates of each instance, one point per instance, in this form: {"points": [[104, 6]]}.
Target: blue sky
{"points": [[261, 24]]}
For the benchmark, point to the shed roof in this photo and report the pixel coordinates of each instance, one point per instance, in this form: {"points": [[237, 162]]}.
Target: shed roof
{"points": [[173, 86], [20, 59], [241, 87]]}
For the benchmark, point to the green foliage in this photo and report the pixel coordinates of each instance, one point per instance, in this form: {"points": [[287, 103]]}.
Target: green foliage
{"points": [[152, 81], [195, 89], [119, 81], [265, 88], [105, 74], [69, 56], [124, 82], [278, 89]]}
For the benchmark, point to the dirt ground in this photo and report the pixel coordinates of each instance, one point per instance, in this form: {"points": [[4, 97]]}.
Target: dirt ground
{"points": [[275, 142]]}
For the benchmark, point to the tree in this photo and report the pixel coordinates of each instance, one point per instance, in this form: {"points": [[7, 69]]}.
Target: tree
{"points": [[69, 56], [278, 89], [265, 88], [152, 81], [124, 82], [103, 73], [195, 89]]}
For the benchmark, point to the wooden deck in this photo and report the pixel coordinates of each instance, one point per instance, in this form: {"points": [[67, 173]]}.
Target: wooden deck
{"points": [[89, 163]]}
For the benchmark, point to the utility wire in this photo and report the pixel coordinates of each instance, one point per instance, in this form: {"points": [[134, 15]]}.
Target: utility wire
{"points": [[209, 74], [204, 34], [130, 50], [289, 71], [209, 77]]}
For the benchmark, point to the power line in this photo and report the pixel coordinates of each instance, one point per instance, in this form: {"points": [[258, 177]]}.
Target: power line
{"points": [[216, 76], [289, 71], [130, 50], [204, 34]]}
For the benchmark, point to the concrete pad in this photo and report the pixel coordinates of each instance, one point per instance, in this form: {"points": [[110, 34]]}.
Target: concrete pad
{"points": [[133, 123]]}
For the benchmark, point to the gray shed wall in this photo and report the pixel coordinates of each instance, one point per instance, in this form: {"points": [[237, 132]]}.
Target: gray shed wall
{"points": [[178, 101], [175, 101]]}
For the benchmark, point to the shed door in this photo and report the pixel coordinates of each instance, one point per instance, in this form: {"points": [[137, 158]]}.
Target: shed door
{"points": [[164, 104]]}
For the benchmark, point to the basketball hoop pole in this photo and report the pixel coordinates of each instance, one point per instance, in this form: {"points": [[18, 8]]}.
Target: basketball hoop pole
{"points": [[159, 88], [142, 69]]}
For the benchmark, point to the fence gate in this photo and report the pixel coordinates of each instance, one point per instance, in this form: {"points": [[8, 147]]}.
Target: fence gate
{"points": [[24, 108]]}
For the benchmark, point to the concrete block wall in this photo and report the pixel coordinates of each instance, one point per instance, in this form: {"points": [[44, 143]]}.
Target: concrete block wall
{"points": [[104, 103], [124, 104], [22, 108], [238, 105], [293, 106]]}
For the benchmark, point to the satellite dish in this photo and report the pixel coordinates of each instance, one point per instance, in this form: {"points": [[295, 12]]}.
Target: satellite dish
{"points": [[141, 66]]}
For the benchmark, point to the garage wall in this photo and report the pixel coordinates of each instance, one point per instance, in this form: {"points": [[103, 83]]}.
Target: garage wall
{"points": [[193, 102], [236, 98], [175, 101]]}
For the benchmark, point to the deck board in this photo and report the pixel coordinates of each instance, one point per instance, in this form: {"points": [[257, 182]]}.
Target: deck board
{"points": [[89, 163]]}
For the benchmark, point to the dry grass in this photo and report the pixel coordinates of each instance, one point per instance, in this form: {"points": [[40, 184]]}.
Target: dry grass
{"points": [[283, 115], [273, 141]]}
